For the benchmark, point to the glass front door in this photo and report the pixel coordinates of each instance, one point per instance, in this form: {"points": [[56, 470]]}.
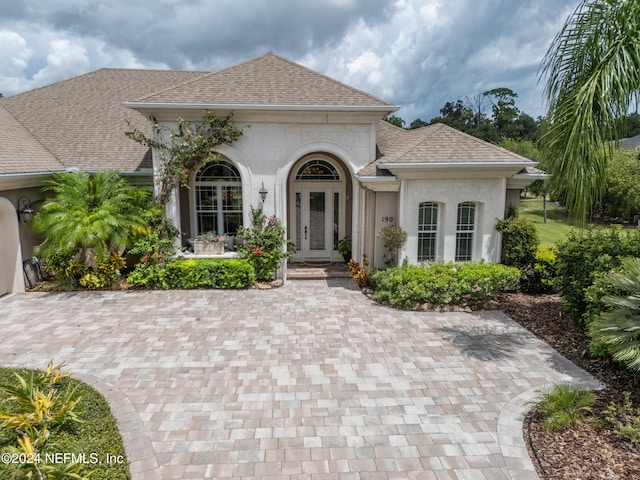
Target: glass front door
{"points": [[316, 220]]}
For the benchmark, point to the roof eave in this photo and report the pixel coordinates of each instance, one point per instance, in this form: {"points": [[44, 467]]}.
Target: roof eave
{"points": [[14, 181], [263, 107], [452, 165], [523, 180]]}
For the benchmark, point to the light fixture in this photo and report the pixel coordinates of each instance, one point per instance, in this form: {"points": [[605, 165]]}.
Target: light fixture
{"points": [[24, 209], [263, 193]]}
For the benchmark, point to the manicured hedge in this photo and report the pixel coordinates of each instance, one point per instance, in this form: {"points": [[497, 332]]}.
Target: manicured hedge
{"points": [[410, 286], [195, 273]]}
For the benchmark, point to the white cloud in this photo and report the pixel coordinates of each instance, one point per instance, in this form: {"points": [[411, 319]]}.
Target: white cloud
{"points": [[415, 53]]}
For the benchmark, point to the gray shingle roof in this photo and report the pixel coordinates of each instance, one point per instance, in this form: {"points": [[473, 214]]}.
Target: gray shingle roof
{"points": [[21, 152], [437, 143], [266, 80], [81, 121]]}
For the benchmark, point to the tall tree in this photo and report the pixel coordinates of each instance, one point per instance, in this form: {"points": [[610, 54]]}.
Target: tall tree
{"points": [[592, 72], [476, 103], [505, 112]]}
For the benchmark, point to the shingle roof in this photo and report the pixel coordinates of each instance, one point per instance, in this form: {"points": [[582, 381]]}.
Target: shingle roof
{"points": [[436, 143], [81, 121], [266, 80], [21, 152]]}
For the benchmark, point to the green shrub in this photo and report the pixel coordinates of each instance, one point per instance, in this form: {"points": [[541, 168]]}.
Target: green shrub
{"points": [[410, 286], [194, 273], [625, 418], [106, 274], [583, 256], [594, 294], [519, 241], [563, 406], [210, 273], [264, 244], [618, 327], [152, 276], [541, 276]]}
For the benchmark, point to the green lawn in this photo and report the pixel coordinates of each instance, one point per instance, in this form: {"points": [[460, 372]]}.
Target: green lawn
{"points": [[93, 440], [558, 224]]}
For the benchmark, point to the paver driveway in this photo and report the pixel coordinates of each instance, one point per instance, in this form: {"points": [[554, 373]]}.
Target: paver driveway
{"points": [[311, 381]]}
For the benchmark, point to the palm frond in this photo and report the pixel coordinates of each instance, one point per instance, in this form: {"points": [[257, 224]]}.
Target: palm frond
{"points": [[593, 75]]}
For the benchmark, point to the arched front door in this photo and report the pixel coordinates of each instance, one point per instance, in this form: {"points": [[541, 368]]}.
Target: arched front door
{"points": [[317, 208]]}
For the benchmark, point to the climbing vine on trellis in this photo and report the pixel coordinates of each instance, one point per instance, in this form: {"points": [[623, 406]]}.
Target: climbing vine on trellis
{"points": [[185, 150]]}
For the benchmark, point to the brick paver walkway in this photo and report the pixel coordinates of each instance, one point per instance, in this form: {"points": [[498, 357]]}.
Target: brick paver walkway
{"points": [[309, 381]]}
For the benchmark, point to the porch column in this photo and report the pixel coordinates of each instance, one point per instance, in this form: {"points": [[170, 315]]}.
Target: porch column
{"points": [[172, 210]]}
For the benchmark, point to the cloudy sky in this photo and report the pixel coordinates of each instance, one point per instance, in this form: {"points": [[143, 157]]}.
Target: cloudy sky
{"points": [[418, 54]]}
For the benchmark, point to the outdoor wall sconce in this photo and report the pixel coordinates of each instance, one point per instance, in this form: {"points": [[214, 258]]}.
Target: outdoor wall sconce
{"points": [[24, 209], [263, 193]]}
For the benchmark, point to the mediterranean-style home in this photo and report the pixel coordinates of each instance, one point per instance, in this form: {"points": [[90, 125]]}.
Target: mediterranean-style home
{"points": [[315, 153]]}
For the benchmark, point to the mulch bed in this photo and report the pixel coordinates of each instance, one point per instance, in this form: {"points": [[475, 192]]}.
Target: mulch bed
{"points": [[592, 450]]}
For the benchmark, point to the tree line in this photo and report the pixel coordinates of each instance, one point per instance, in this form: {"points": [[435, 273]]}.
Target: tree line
{"points": [[494, 116]]}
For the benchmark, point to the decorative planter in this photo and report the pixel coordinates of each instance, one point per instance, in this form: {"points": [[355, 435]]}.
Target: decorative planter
{"points": [[203, 247]]}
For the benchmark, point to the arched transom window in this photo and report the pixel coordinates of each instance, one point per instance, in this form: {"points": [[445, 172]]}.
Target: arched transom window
{"points": [[218, 191], [317, 170]]}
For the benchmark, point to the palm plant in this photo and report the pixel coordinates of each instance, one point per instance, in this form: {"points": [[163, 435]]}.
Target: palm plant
{"points": [[93, 215], [593, 76], [564, 405], [619, 327]]}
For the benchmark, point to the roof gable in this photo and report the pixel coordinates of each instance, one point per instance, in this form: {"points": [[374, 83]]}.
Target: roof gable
{"points": [[266, 80], [18, 144], [436, 144]]}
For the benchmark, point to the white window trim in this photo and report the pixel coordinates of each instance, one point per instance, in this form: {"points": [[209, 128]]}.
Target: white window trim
{"points": [[434, 231], [471, 230]]}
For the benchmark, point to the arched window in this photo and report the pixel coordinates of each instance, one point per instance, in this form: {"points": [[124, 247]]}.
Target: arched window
{"points": [[427, 231], [465, 230], [218, 190], [317, 170]]}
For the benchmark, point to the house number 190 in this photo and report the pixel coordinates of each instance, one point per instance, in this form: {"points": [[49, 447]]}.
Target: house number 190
{"points": [[387, 219]]}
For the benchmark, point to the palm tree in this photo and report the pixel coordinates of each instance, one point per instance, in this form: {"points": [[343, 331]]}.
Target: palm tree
{"points": [[593, 77], [619, 328], [94, 215]]}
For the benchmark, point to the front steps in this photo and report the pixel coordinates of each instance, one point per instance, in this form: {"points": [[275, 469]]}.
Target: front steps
{"points": [[316, 270]]}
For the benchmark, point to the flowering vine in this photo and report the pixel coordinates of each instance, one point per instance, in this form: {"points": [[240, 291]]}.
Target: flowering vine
{"points": [[185, 150]]}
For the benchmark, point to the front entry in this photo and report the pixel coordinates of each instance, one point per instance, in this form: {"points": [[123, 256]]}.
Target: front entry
{"points": [[317, 210], [317, 222]]}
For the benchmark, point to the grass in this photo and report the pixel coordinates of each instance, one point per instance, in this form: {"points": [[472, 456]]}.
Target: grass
{"points": [[558, 224], [97, 435]]}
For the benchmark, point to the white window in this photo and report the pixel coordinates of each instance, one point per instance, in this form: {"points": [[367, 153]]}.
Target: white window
{"points": [[427, 231], [218, 191], [465, 230]]}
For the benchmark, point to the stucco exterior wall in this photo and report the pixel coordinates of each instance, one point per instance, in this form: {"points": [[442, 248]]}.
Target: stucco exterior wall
{"points": [[489, 196], [386, 214], [268, 150], [11, 276]]}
